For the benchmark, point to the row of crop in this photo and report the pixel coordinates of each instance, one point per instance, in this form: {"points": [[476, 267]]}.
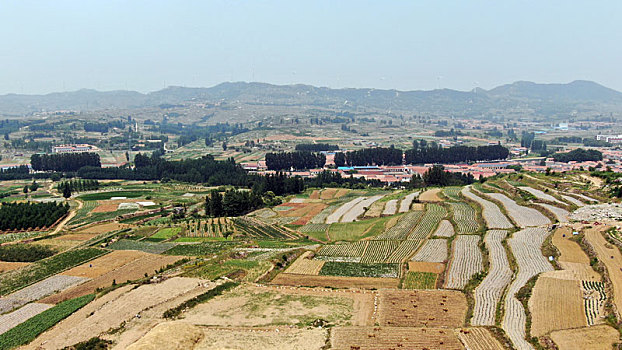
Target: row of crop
{"points": [[453, 193], [402, 228], [429, 222], [20, 278], [465, 218], [257, 229], [347, 269], [378, 251], [355, 249]]}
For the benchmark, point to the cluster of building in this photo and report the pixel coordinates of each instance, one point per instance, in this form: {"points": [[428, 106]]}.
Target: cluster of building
{"points": [[610, 138], [74, 148], [403, 173]]}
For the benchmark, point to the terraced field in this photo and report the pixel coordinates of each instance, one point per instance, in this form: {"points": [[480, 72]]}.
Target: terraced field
{"points": [[466, 261], [433, 250], [489, 292], [359, 209], [336, 215], [559, 213], [491, 213], [445, 229], [522, 216], [541, 195], [378, 251], [429, 222], [525, 246], [390, 208], [403, 227], [407, 201], [465, 218]]}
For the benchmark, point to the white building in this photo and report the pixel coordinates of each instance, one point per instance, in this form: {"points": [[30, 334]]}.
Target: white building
{"points": [[72, 148]]}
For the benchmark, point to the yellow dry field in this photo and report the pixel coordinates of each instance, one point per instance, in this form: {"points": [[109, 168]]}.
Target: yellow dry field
{"points": [[431, 195], [556, 304], [574, 271], [257, 306], [288, 279], [569, 251], [76, 237], [283, 338], [170, 336], [8, 266], [113, 309], [376, 338], [104, 228], [106, 263], [417, 207], [421, 308], [375, 210], [590, 338], [328, 193], [341, 192], [423, 266], [315, 194], [133, 269], [305, 266], [610, 256], [478, 338]]}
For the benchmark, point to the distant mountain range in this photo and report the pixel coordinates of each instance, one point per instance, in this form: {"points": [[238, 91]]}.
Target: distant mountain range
{"points": [[520, 97]]}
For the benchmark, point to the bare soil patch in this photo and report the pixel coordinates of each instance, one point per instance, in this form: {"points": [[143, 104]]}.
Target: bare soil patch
{"points": [[569, 251], [112, 272], [611, 257], [423, 266], [8, 266], [282, 338], [478, 339], [104, 228], [328, 193], [368, 338], [421, 308], [431, 195], [170, 336]]}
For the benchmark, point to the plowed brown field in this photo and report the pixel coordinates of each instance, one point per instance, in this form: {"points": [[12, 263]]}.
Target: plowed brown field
{"points": [[421, 308], [287, 279]]}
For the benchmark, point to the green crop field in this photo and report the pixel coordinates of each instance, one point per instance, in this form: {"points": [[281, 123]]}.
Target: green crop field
{"points": [[99, 196], [419, 280], [144, 246], [166, 233], [201, 249], [348, 269]]}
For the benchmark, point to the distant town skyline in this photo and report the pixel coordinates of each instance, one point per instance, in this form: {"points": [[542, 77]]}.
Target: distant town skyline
{"points": [[148, 45]]}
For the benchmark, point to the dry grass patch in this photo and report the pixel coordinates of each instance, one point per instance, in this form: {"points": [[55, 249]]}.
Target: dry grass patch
{"points": [[591, 338], [610, 256], [76, 237], [252, 306], [265, 339], [305, 266], [328, 193], [103, 228], [569, 250], [421, 308], [170, 336], [556, 304]]}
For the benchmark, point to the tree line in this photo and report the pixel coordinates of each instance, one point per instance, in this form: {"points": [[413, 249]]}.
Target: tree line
{"points": [[64, 161], [578, 155], [316, 147], [232, 203], [295, 160], [80, 185], [18, 216]]}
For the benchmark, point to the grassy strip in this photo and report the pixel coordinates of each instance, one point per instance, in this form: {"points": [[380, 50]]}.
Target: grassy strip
{"points": [[188, 304], [348, 269], [27, 331], [201, 249], [98, 196], [20, 278]]}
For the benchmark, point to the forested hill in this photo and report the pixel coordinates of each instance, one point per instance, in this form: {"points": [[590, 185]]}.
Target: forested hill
{"points": [[540, 99]]}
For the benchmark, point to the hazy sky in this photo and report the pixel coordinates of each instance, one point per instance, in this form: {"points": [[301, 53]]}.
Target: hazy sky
{"points": [[57, 45]]}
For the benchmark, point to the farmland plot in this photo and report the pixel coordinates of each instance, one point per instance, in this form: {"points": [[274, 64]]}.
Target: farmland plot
{"points": [[465, 218], [445, 229], [541, 195], [286, 279], [404, 251], [477, 338], [321, 217], [359, 209], [402, 228], [339, 212], [590, 338], [556, 304], [489, 292], [347, 269], [466, 260], [407, 201], [305, 266], [373, 338], [421, 308], [559, 213], [431, 195], [390, 208], [453, 193], [10, 320], [378, 251], [490, 211], [572, 200], [419, 280], [355, 249], [594, 298], [434, 250], [46, 287], [585, 198], [429, 222], [605, 252], [522, 216], [525, 246]]}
